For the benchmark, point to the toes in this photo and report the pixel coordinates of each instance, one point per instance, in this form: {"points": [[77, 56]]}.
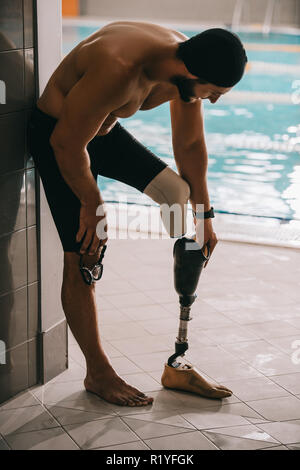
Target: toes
{"points": [[220, 393], [122, 401], [140, 401], [131, 403], [137, 392], [144, 401], [134, 400], [140, 396], [149, 400], [222, 387], [137, 400]]}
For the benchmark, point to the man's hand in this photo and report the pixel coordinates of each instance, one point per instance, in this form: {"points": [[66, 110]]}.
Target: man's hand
{"points": [[87, 228], [205, 233]]}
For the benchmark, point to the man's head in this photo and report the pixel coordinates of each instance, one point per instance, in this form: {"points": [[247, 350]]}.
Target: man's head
{"points": [[216, 58]]}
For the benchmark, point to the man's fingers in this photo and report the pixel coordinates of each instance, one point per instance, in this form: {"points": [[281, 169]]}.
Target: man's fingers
{"points": [[94, 245], [80, 233], [86, 242], [212, 245]]}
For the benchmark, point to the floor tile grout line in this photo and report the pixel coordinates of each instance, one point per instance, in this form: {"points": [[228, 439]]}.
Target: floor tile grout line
{"points": [[272, 398], [125, 424], [210, 440], [131, 416], [18, 408], [189, 432], [66, 432], [45, 409], [135, 354], [18, 433], [6, 442], [165, 435], [131, 430], [281, 386], [271, 447], [130, 442], [238, 403], [283, 421], [274, 422], [45, 405], [212, 431], [107, 415], [267, 340], [235, 437]]}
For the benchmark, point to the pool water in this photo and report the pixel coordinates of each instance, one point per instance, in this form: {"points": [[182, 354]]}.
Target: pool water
{"points": [[252, 134]]}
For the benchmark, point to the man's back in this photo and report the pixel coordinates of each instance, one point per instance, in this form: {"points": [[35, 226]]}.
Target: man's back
{"points": [[128, 45]]}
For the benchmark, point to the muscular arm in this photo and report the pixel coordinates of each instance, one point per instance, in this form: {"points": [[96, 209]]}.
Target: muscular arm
{"points": [[85, 108], [190, 149]]}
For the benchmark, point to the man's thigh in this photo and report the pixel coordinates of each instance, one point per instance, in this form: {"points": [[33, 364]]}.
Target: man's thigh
{"points": [[63, 203]]}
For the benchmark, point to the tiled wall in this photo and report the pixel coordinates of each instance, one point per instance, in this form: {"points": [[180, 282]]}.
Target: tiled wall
{"points": [[18, 245]]}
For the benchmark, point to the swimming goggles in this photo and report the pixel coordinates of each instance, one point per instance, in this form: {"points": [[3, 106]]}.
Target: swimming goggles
{"points": [[95, 273]]}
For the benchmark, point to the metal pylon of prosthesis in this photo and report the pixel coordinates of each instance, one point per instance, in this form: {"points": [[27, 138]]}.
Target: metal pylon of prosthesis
{"points": [[181, 343]]}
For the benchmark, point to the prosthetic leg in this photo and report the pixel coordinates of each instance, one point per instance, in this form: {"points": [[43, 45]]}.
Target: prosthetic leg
{"points": [[189, 259]]}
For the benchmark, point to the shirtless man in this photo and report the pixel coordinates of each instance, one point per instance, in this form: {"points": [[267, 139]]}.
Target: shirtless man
{"points": [[74, 135]]}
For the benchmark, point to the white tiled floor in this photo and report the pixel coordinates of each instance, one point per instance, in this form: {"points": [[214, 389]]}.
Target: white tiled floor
{"points": [[244, 334]]}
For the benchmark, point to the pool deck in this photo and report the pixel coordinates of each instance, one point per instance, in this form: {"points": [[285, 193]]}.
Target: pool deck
{"points": [[245, 333]]}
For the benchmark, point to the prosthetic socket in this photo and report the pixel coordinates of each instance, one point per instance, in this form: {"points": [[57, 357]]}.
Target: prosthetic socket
{"points": [[189, 259]]}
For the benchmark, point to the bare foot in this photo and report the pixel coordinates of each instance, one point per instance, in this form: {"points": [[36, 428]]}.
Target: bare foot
{"points": [[113, 389], [189, 379]]}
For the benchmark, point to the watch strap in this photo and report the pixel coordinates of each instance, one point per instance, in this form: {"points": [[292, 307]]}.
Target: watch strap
{"points": [[204, 215]]}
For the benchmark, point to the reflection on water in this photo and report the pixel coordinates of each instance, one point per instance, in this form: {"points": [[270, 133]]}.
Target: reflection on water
{"points": [[254, 157]]}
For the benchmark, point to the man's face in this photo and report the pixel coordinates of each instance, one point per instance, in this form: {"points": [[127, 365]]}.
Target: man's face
{"points": [[191, 90]]}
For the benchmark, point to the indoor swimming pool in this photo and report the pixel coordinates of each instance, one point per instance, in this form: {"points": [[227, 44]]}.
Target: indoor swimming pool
{"points": [[252, 133]]}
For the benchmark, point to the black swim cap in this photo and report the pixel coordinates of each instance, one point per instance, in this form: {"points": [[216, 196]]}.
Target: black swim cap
{"points": [[215, 55]]}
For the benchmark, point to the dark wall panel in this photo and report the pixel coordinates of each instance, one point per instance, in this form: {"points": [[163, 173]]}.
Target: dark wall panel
{"points": [[11, 25], [12, 133], [19, 283]]}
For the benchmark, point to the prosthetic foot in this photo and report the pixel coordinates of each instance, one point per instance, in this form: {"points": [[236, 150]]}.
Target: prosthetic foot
{"points": [[189, 259], [186, 377]]}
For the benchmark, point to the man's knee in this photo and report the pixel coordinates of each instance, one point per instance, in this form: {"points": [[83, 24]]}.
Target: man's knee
{"points": [[172, 192]]}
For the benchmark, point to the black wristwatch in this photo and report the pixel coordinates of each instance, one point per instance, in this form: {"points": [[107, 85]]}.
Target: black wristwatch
{"points": [[204, 215]]}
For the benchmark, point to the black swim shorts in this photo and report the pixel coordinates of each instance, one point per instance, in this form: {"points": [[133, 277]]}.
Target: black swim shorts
{"points": [[117, 155]]}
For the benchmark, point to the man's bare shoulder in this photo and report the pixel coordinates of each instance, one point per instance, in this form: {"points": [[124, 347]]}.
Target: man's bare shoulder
{"points": [[99, 56], [128, 41]]}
